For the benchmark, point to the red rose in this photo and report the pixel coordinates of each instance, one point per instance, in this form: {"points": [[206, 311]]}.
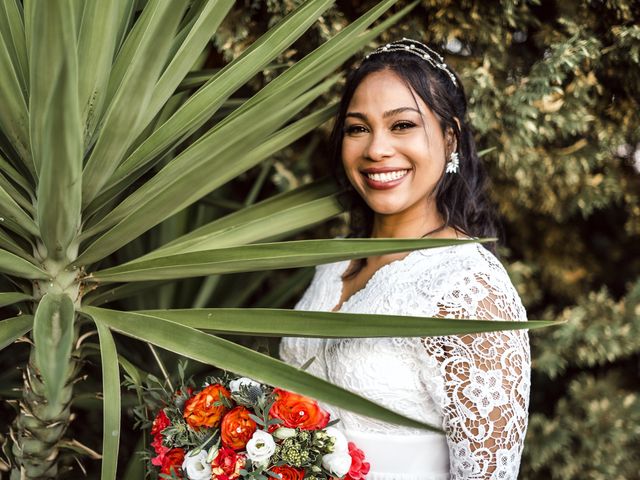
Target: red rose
{"points": [[298, 411], [288, 473], [160, 423], [173, 462], [359, 468], [227, 464], [160, 450], [204, 409]]}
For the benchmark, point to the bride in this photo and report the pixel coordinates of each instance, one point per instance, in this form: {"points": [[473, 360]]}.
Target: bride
{"points": [[403, 147]]}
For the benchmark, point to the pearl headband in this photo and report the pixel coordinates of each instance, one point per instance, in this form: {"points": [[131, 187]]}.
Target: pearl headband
{"points": [[419, 50]]}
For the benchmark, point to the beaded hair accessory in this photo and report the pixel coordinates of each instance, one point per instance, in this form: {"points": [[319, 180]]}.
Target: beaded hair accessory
{"points": [[418, 49]]}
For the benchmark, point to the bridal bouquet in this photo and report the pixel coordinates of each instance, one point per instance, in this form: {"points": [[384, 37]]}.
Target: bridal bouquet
{"points": [[235, 428]]}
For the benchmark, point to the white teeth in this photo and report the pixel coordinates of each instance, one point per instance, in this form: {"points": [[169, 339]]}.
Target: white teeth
{"points": [[387, 176]]}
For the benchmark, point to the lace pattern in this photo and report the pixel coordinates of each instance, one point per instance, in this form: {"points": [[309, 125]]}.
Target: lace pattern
{"points": [[475, 386]]}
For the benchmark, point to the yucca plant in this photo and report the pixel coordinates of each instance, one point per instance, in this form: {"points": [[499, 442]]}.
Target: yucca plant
{"points": [[107, 132]]}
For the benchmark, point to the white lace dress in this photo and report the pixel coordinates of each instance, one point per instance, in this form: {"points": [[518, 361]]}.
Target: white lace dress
{"points": [[476, 387]]}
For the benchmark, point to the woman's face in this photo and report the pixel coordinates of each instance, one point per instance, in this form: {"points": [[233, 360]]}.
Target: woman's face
{"points": [[392, 152]]}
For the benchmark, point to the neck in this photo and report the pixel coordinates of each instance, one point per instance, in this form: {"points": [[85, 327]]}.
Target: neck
{"points": [[406, 225]]}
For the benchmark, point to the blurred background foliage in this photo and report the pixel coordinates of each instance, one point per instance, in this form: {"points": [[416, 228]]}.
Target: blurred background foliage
{"points": [[554, 91]]}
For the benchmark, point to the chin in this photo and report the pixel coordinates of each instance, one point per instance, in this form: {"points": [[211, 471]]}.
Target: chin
{"points": [[385, 208]]}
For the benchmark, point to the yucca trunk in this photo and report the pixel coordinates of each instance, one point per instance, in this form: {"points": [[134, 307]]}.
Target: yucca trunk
{"points": [[49, 376], [40, 425]]}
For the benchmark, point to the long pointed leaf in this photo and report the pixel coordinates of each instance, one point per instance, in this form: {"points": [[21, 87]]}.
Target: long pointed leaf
{"points": [[227, 355], [111, 403], [12, 32], [9, 298], [97, 38], [53, 339], [204, 27], [284, 201], [326, 58], [272, 322], [15, 194], [271, 225], [124, 115], [201, 168], [52, 59], [15, 218], [13, 114], [14, 175], [9, 244], [113, 293], [265, 256], [59, 149], [13, 328], [14, 265], [202, 105]]}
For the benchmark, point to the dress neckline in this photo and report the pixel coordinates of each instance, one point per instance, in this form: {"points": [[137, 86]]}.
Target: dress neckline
{"points": [[341, 268]]}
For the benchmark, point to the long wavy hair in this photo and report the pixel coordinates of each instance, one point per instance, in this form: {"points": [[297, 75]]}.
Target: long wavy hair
{"points": [[461, 198]]}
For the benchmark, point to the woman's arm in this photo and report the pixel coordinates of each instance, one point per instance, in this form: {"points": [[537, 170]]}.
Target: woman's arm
{"points": [[481, 382]]}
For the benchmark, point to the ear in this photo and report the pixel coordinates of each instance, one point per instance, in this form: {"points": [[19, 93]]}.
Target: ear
{"points": [[451, 140]]}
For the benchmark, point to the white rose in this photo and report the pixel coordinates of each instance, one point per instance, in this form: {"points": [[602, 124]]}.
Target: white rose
{"points": [[338, 463], [261, 447], [340, 443], [196, 466], [284, 432], [234, 385]]}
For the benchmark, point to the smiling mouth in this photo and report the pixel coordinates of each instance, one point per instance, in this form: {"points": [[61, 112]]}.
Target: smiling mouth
{"points": [[385, 177]]}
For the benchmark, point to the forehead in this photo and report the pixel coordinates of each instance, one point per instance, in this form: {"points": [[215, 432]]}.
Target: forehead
{"points": [[382, 91]]}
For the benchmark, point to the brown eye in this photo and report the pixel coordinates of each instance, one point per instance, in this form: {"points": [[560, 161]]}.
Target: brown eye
{"points": [[354, 129], [403, 125]]}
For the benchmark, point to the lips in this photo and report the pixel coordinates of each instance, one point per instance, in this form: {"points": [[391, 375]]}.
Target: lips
{"points": [[384, 178]]}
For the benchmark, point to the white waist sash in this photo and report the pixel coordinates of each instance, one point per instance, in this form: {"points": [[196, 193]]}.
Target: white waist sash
{"points": [[403, 457]]}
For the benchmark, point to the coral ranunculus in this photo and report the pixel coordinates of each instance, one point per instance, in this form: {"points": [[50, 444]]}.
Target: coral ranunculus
{"points": [[359, 468], [237, 428], [298, 411], [227, 464], [204, 408], [173, 461], [288, 473]]}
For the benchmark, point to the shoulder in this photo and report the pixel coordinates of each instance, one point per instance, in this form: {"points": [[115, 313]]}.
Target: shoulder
{"points": [[468, 281]]}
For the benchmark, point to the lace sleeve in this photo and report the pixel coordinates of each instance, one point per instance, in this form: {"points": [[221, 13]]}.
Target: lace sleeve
{"points": [[481, 381]]}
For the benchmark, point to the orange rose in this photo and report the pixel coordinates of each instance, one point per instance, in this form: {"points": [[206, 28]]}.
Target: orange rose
{"points": [[288, 473], [204, 408], [237, 428], [298, 411]]}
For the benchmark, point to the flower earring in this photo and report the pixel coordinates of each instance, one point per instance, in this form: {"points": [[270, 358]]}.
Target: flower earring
{"points": [[453, 165]]}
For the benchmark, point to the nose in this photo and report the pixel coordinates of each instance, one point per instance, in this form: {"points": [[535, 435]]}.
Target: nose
{"points": [[380, 147]]}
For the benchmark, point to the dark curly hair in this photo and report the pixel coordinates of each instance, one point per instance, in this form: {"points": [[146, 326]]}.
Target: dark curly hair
{"points": [[461, 198]]}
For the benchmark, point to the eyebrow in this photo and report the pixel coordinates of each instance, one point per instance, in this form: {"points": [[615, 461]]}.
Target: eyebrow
{"points": [[389, 113]]}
